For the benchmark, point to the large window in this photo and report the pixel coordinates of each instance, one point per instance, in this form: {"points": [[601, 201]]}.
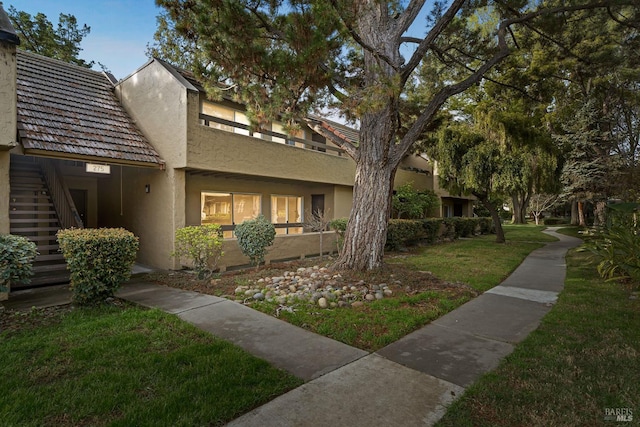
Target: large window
{"points": [[229, 208], [286, 209]]}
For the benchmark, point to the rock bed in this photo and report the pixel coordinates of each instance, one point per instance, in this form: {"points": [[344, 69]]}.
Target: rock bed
{"points": [[313, 285]]}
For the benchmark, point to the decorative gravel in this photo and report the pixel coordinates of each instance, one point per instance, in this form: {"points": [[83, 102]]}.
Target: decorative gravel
{"points": [[314, 285]]}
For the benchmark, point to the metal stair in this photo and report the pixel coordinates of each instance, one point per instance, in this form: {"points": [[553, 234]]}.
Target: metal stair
{"points": [[32, 215]]}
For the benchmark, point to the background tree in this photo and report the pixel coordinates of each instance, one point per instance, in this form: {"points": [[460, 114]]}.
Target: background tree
{"points": [[470, 163], [287, 57], [37, 34], [540, 203], [414, 204]]}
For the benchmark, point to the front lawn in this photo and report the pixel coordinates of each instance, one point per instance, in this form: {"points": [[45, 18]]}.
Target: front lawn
{"points": [[426, 283], [124, 366], [581, 365]]}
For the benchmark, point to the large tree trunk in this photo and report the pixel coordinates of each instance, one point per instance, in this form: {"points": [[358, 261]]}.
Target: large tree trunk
{"points": [[366, 232]]}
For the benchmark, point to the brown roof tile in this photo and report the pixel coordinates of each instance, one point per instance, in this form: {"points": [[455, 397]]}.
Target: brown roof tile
{"points": [[67, 109]]}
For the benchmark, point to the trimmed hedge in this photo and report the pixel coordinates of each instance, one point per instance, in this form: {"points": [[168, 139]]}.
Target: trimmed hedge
{"points": [[16, 260], [555, 221], [405, 232], [100, 260]]}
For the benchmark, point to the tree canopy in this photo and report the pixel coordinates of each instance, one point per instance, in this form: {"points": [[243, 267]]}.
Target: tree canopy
{"points": [[37, 34], [287, 57]]}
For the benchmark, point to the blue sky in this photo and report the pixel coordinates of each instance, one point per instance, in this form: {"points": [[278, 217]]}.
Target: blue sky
{"points": [[120, 29]]}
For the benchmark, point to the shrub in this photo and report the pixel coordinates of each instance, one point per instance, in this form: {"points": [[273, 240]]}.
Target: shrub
{"points": [[100, 260], [486, 225], [16, 259], [554, 221], [617, 248], [413, 204], [202, 246], [449, 231], [254, 236], [339, 225], [402, 232], [431, 229]]}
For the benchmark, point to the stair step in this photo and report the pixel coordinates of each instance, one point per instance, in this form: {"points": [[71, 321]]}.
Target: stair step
{"points": [[33, 229], [48, 248], [49, 257], [54, 278], [33, 220], [29, 204], [47, 268], [21, 212]]}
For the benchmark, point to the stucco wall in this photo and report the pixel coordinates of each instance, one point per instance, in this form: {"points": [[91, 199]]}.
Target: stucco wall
{"points": [[285, 247], [157, 102], [5, 190], [7, 125], [218, 150], [198, 183], [151, 216], [342, 201]]}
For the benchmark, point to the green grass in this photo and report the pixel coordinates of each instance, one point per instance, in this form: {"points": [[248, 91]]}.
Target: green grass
{"points": [[376, 324], [584, 358], [121, 367], [479, 262]]}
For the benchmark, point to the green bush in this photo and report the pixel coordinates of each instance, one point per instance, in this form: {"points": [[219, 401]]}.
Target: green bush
{"points": [[554, 221], [100, 260], [16, 259], [450, 231], [254, 236], [339, 225], [617, 247], [431, 229], [403, 232], [202, 246], [486, 225], [410, 203]]}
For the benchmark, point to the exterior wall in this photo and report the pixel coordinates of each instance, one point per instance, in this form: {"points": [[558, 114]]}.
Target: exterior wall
{"points": [[8, 125], [158, 103], [342, 201], [218, 150], [151, 216], [285, 247], [5, 190], [197, 184]]}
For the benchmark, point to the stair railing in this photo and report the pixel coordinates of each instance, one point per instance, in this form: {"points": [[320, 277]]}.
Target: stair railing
{"points": [[60, 196]]}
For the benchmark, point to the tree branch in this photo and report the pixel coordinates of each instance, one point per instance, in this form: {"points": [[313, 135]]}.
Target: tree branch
{"points": [[426, 43]]}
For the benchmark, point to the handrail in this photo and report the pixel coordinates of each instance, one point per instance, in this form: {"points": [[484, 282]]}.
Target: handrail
{"points": [[60, 195], [242, 126]]}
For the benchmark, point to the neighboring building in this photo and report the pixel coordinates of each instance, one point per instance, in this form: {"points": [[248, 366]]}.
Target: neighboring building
{"points": [[151, 154]]}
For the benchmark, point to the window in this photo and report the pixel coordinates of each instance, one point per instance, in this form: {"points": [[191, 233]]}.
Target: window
{"points": [[286, 209], [229, 208]]}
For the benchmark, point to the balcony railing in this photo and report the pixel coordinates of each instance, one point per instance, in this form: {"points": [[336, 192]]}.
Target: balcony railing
{"points": [[308, 144]]}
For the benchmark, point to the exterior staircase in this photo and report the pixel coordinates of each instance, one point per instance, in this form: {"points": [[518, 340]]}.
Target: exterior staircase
{"points": [[32, 214]]}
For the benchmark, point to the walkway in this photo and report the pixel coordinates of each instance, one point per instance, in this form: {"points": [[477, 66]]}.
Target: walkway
{"points": [[408, 383]]}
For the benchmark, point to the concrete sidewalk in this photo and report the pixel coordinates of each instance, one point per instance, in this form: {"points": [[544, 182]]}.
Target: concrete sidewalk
{"points": [[408, 383]]}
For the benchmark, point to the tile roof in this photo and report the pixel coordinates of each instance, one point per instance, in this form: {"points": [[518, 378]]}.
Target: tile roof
{"points": [[65, 110]]}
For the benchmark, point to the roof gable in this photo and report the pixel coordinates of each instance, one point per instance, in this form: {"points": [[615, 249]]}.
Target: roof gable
{"points": [[70, 111]]}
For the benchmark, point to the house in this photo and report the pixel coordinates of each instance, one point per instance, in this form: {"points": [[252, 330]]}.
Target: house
{"points": [[151, 153]]}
